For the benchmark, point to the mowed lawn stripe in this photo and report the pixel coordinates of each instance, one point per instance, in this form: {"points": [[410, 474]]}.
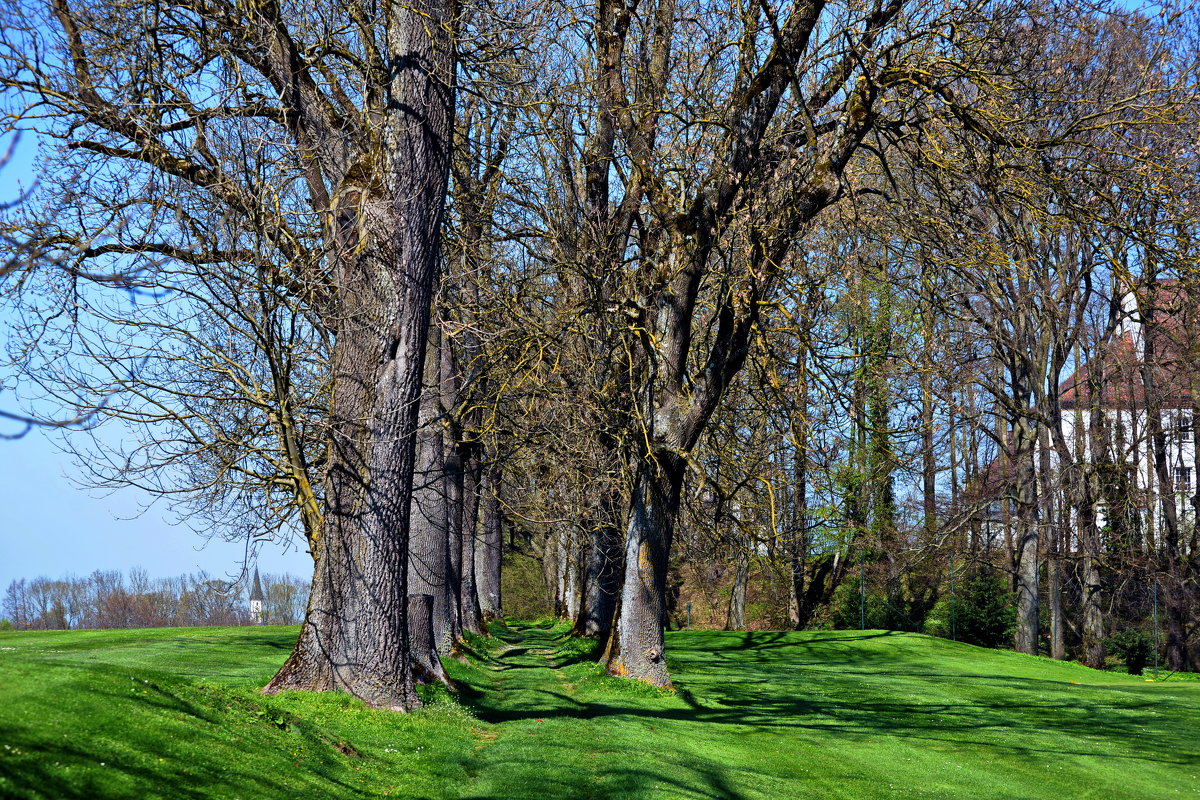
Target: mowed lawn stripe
{"points": [[875, 714]]}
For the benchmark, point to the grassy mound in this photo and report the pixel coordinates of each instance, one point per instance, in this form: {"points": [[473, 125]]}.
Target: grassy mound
{"points": [[175, 713]]}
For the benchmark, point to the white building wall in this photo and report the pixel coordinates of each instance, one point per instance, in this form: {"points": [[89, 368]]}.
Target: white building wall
{"points": [[1138, 450]]}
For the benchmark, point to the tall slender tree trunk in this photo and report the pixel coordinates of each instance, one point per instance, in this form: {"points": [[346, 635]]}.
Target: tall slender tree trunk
{"points": [[1058, 647], [1050, 537], [472, 617], [1008, 472], [973, 473], [387, 233], [602, 572], [572, 590], [797, 540], [490, 549], [928, 456], [1025, 492], [453, 479], [1085, 493], [1168, 551], [549, 555], [428, 555], [736, 620], [798, 533], [453, 492]]}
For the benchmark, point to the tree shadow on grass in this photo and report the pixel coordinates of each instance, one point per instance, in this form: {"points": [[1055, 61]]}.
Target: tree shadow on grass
{"points": [[952, 724], [154, 750], [539, 771], [737, 690], [59, 772]]}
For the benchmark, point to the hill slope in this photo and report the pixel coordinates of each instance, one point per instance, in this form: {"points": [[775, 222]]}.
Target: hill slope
{"points": [[174, 713]]}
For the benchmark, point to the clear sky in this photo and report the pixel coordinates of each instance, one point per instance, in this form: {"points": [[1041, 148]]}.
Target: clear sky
{"points": [[50, 527]]}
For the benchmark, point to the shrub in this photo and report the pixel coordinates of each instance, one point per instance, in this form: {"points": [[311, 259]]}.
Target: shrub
{"points": [[846, 609], [982, 612], [1133, 647], [937, 623]]}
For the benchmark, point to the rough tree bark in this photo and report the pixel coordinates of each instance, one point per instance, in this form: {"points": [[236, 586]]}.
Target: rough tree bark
{"points": [[453, 483], [1025, 637], [490, 550], [427, 665], [601, 573], [428, 556], [737, 598], [387, 222], [472, 618], [639, 650]]}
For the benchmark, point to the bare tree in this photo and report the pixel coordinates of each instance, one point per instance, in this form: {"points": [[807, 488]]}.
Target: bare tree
{"points": [[350, 111]]}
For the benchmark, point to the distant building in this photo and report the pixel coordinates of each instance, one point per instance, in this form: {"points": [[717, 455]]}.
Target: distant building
{"points": [[1128, 411], [1121, 369], [256, 600]]}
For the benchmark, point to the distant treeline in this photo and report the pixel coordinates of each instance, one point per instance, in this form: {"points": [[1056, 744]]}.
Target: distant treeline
{"points": [[109, 600]]}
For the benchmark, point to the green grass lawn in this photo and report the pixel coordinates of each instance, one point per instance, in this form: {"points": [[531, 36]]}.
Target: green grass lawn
{"points": [[174, 714]]}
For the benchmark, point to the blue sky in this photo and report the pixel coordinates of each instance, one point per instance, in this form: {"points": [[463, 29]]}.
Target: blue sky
{"points": [[49, 526]]}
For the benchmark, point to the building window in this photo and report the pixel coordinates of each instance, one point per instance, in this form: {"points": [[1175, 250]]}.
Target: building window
{"points": [[1183, 423], [1183, 479]]}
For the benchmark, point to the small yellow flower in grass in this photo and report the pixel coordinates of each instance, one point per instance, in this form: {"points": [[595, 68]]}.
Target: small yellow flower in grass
{"points": [[1149, 680]]}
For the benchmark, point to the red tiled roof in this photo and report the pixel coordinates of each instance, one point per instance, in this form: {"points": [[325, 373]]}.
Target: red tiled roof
{"points": [[1175, 330], [1175, 334]]}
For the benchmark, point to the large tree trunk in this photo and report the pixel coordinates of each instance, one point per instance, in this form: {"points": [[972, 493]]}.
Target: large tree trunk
{"points": [[427, 665], [639, 652], [387, 229], [490, 549]]}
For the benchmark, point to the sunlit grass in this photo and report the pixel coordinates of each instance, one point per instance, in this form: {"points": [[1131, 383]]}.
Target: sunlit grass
{"points": [[175, 713]]}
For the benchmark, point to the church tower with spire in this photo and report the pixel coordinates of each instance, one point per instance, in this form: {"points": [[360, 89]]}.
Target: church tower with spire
{"points": [[256, 600]]}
